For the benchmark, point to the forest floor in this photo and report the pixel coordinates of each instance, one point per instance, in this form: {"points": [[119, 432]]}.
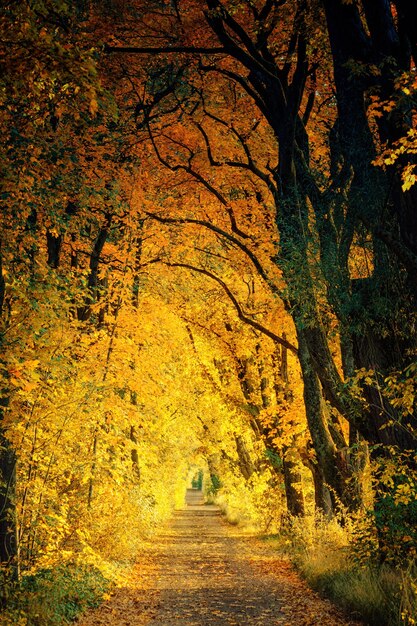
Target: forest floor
{"points": [[202, 571]]}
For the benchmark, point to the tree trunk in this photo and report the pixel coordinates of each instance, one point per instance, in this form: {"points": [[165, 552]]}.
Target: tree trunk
{"points": [[292, 477], [332, 462], [246, 465], [54, 244], [8, 548], [83, 313], [322, 498], [376, 303], [134, 453], [293, 487]]}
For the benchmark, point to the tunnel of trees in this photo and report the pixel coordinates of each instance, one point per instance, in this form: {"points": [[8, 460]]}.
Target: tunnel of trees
{"points": [[208, 256]]}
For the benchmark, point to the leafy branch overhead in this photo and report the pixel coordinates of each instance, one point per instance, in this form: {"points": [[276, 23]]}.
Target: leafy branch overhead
{"points": [[208, 254]]}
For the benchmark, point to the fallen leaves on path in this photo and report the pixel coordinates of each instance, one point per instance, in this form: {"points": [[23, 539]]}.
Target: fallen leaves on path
{"points": [[200, 571], [299, 605]]}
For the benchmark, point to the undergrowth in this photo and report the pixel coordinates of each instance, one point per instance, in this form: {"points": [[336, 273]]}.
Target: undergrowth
{"points": [[54, 597], [330, 556]]}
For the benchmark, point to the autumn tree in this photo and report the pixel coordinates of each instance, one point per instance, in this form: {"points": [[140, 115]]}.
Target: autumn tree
{"points": [[273, 56], [61, 221], [243, 146], [34, 98], [252, 154]]}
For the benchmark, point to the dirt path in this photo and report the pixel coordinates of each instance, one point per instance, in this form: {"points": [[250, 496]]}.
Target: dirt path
{"points": [[201, 571]]}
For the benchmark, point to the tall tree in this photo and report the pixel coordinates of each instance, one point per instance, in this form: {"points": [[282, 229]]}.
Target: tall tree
{"points": [[270, 52]]}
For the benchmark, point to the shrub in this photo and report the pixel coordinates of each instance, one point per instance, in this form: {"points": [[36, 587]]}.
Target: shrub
{"points": [[53, 597], [339, 561]]}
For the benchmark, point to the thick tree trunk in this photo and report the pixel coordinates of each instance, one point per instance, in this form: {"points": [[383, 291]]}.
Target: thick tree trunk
{"points": [[292, 477], [322, 500], [375, 303], [293, 483], [319, 372], [332, 462], [380, 355]]}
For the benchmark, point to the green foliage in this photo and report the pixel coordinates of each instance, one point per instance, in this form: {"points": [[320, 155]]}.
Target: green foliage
{"points": [[197, 482], [53, 597], [395, 509], [273, 458], [214, 485]]}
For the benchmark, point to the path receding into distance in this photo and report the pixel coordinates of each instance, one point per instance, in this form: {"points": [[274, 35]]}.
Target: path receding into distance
{"points": [[202, 571]]}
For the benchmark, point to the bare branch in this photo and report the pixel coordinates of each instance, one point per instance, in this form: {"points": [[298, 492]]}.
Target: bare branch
{"points": [[189, 170], [241, 80]]}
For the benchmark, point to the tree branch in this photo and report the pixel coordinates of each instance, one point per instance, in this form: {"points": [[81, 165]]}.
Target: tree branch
{"points": [[248, 165], [226, 235], [240, 313], [163, 50]]}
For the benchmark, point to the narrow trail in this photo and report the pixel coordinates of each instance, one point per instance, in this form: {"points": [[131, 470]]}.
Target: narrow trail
{"points": [[201, 571]]}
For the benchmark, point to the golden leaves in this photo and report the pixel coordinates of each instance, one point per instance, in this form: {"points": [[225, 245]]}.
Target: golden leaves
{"points": [[401, 151]]}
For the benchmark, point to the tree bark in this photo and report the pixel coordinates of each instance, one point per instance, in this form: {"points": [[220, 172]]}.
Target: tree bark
{"points": [[54, 244], [246, 465], [293, 483], [84, 312]]}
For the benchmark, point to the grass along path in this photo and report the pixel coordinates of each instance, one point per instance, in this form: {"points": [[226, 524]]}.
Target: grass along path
{"points": [[202, 571]]}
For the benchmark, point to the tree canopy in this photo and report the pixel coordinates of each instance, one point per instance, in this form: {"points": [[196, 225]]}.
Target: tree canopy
{"points": [[208, 261]]}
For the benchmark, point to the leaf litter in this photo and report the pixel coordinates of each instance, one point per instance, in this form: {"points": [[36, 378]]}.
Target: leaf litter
{"points": [[201, 571]]}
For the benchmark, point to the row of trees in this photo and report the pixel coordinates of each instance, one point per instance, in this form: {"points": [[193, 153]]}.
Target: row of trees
{"points": [[207, 251], [294, 123], [111, 381]]}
